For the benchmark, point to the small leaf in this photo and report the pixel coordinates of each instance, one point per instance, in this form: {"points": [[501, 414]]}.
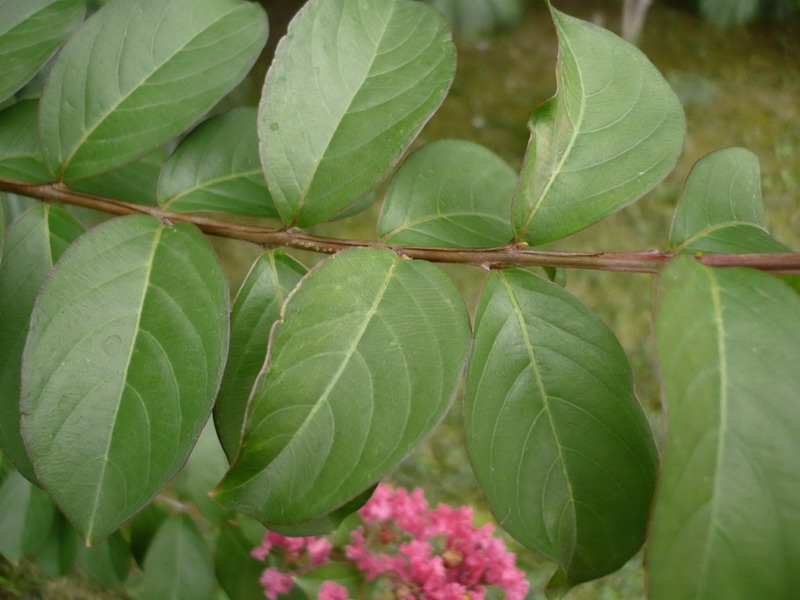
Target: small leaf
{"points": [[56, 556], [178, 565], [121, 367], [355, 81], [108, 562], [26, 515], [257, 307], [558, 442], [612, 132], [237, 571], [139, 73], [217, 168], [449, 193], [136, 182], [205, 467], [725, 521], [20, 155], [30, 32], [34, 242], [363, 365], [327, 523], [721, 209]]}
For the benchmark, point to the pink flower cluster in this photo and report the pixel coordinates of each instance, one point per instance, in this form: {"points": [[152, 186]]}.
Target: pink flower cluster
{"points": [[419, 552]]}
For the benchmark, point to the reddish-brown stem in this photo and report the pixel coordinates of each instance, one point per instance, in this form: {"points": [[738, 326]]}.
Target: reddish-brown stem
{"points": [[487, 258]]}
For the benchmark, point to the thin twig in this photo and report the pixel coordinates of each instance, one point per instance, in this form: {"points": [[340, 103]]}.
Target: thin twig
{"points": [[488, 258]]}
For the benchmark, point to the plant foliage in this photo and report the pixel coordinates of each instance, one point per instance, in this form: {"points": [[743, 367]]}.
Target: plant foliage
{"points": [[118, 342]]}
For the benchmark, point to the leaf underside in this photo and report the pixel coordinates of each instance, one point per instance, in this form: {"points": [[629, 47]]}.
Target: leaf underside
{"points": [[557, 439], [612, 132], [725, 523], [351, 85], [139, 73], [362, 366], [121, 367]]}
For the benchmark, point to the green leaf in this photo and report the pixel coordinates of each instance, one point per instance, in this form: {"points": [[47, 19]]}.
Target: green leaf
{"points": [[178, 565], [351, 85], [327, 523], [612, 132], [257, 307], [721, 209], [139, 73], [363, 365], [558, 442], [206, 466], [15, 205], [33, 244], [344, 573], [217, 168], [121, 367], [26, 515], [237, 572], [30, 32], [134, 183], [108, 562], [725, 522], [20, 155], [143, 528], [56, 556], [449, 193]]}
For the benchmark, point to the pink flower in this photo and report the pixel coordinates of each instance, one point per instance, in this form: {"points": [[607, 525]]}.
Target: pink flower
{"points": [[319, 550], [332, 591], [275, 582]]}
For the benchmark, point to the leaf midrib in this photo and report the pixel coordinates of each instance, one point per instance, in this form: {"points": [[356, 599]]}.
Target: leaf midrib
{"points": [[87, 133], [334, 130], [134, 338], [545, 401], [323, 399], [723, 429], [575, 133]]}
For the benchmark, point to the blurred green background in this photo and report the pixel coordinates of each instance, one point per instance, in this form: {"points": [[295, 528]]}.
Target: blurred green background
{"points": [[739, 86]]}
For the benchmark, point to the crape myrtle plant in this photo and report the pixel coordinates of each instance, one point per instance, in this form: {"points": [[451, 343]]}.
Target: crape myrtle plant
{"points": [[118, 343]]}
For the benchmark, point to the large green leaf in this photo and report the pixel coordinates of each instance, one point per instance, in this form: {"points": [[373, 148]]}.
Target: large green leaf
{"points": [[20, 155], [611, 133], [139, 73], [557, 439], [217, 168], [178, 565], [35, 241], [30, 32], [237, 571], [121, 366], [257, 307], [363, 364], [109, 561], [26, 515], [351, 86], [726, 524], [449, 193]]}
